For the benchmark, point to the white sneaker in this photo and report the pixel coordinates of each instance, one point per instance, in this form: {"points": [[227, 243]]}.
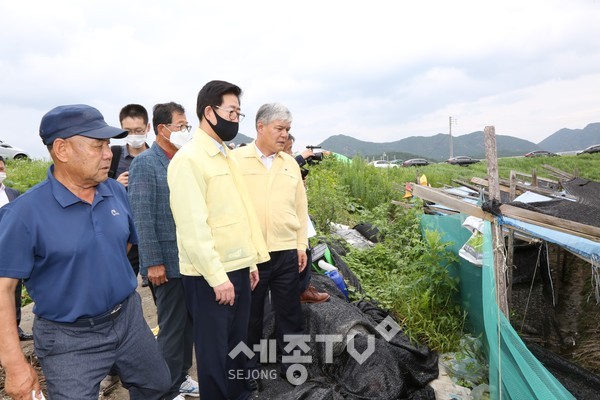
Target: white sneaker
{"points": [[179, 397], [189, 387]]}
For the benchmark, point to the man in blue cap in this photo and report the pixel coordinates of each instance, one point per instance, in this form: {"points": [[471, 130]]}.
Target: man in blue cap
{"points": [[68, 238]]}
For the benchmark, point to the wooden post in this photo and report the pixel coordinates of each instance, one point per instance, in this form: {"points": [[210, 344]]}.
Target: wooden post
{"points": [[497, 236], [513, 185]]}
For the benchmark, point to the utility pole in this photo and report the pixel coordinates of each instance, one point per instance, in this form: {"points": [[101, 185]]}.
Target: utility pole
{"points": [[450, 122]]}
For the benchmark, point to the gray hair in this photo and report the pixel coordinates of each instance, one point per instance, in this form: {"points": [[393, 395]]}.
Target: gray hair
{"points": [[270, 112]]}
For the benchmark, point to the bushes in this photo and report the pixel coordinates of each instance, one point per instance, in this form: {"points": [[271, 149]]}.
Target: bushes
{"points": [[405, 273], [24, 174], [328, 199]]}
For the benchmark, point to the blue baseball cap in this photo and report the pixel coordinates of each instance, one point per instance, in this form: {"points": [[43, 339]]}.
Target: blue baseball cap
{"points": [[76, 119]]}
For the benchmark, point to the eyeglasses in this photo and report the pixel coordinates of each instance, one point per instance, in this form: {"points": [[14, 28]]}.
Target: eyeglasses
{"points": [[181, 127], [233, 114]]}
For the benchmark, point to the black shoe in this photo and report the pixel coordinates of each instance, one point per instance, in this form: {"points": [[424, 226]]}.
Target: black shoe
{"points": [[24, 336]]}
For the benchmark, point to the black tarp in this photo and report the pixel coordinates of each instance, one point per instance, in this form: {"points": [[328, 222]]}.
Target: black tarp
{"points": [[397, 369]]}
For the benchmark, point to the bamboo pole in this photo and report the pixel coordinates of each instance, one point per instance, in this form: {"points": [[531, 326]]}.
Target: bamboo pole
{"points": [[497, 237]]}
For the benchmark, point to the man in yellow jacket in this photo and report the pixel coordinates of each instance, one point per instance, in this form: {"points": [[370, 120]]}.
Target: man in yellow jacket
{"points": [[275, 184], [219, 242]]}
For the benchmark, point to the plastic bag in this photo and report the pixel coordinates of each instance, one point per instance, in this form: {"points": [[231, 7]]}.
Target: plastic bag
{"points": [[472, 250]]}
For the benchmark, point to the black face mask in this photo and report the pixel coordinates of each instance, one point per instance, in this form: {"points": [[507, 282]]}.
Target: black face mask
{"points": [[225, 130]]}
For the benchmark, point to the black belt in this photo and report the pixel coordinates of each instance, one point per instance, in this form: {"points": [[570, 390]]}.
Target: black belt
{"points": [[100, 319]]}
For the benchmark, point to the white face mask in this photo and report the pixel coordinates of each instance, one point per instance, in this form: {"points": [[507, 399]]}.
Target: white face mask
{"points": [[2, 177], [136, 141], [180, 138]]}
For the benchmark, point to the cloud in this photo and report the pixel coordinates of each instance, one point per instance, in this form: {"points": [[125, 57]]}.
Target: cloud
{"points": [[378, 71]]}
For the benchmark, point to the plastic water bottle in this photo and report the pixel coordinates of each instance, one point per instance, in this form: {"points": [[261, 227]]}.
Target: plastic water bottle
{"points": [[339, 281]]}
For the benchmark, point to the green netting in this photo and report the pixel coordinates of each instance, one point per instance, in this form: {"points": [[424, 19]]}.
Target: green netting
{"points": [[514, 372], [470, 298]]}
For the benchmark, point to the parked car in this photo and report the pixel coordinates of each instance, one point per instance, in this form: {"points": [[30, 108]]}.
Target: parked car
{"points": [[397, 162], [590, 150], [540, 153], [382, 164], [10, 152], [462, 160], [415, 162]]}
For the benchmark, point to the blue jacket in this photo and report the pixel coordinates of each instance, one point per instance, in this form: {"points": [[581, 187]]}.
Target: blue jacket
{"points": [[148, 193]]}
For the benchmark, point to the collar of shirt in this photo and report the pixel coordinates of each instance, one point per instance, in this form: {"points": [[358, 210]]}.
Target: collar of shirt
{"points": [[167, 154], [65, 197], [220, 146], [266, 160], [126, 152]]}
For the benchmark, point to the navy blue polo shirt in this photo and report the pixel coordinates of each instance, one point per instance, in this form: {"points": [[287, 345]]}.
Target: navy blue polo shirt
{"points": [[72, 254]]}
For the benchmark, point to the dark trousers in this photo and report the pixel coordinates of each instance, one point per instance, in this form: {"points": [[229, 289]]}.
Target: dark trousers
{"points": [[175, 337], [218, 329], [280, 276], [75, 359]]}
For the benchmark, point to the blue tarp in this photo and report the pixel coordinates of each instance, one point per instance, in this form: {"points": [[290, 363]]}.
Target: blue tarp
{"points": [[578, 245]]}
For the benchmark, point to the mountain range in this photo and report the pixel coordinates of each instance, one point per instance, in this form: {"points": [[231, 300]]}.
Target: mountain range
{"points": [[437, 147]]}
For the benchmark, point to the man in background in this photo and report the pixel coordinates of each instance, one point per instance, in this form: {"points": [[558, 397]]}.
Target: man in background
{"points": [[149, 197], [309, 293], [134, 119], [7, 195]]}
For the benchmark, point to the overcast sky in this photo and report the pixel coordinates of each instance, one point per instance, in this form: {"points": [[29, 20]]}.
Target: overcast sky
{"points": [[377, 70]]}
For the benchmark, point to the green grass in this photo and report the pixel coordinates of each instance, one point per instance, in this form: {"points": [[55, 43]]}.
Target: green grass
{"points": [[408, 276], [339, 191]]}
